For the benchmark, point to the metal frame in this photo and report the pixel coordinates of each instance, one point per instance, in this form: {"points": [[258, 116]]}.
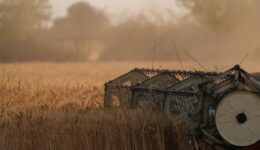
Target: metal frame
{"points": [[196, 93], [118, 88]]}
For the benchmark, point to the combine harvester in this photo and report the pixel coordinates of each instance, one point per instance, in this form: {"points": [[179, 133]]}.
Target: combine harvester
{"points": [[223, 107]]}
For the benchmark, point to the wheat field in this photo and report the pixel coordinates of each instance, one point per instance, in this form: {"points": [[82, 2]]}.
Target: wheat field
{"points": [[52, 106]]}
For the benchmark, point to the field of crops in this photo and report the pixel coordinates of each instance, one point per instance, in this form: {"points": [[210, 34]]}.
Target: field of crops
{"points": [[54, 106]]}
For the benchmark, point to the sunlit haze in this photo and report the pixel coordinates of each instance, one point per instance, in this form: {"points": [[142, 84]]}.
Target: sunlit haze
{"points": [[119, 10], [132, 30]]}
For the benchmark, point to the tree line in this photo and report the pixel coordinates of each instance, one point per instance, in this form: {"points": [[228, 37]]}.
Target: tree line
{"points": [[86, 33]]}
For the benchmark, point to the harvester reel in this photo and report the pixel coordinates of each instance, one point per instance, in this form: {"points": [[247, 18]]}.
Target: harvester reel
{"points": [[224, 106], [146, 101], [238, 118]]}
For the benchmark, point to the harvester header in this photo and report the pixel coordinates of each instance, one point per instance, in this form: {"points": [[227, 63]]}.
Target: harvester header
{"points": [[224, 107]]}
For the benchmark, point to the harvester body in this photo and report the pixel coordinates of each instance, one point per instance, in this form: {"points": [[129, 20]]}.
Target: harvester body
{"points": [[219, 105]]}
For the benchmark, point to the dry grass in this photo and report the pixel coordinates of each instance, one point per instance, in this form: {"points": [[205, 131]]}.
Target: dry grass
{"points": [[59, 106]]}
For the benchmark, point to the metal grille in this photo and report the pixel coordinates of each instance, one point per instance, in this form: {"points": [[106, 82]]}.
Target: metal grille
{"points": [[131, 96]]}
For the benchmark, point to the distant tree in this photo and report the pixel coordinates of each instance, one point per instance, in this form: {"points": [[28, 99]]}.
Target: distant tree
{"points": [[131, 40], [218, 14], [83, 25], [20, 20]]}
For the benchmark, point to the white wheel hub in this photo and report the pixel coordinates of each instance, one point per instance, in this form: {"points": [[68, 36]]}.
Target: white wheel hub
{"points": [[238, 118]]}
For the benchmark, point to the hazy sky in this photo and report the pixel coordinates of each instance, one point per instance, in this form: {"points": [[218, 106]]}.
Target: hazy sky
{"points": [[118, 9]]}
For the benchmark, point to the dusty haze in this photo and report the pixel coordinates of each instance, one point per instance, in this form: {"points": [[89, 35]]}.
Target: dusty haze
{"points": [[217, 33]]}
